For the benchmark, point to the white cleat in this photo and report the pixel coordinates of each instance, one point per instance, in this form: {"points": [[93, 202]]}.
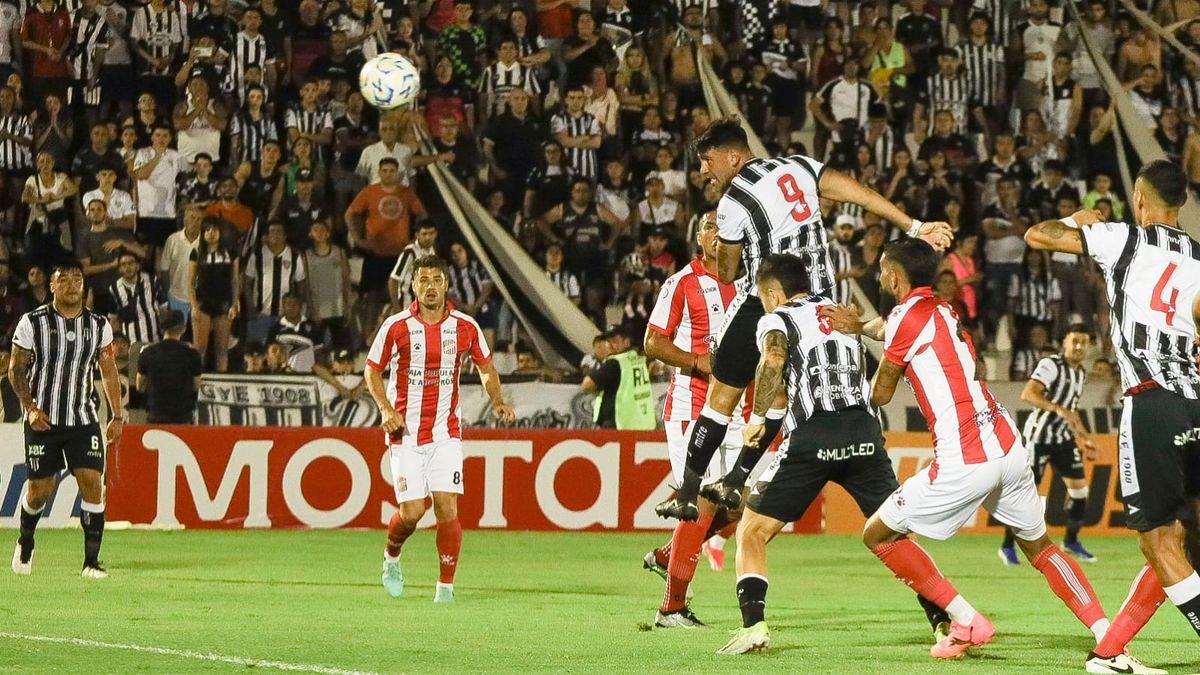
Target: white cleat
{"points": [[393, 579], [1121, 663], [756, 638], [93, 572], [683, 618], [22, 568], [444, 593]]}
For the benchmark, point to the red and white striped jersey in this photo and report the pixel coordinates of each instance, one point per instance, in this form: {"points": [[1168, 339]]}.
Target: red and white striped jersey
{"points": [[425, 359], [923, 335], [690, 310]]}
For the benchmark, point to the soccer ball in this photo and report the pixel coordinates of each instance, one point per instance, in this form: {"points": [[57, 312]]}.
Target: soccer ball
{"points": [[389, 81]]}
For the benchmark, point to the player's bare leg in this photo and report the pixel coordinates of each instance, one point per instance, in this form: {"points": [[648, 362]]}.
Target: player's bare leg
{"points": [[912, 565], [686, 541], [401, 526], [754, 532], [37, 492], [706, 436], [91, 517], [449, 543]]}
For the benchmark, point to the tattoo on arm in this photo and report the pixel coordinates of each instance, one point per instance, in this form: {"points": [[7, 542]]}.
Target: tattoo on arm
{"points": [[18, 374], [768, 380], [1054, 229]]}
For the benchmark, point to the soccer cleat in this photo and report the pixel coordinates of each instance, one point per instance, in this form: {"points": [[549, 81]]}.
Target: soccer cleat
{"points": [[1081, 554], [756, 638], [721, 494], [393, 579], [683, 618], [22, 562], [650, 562], [715, 555], [94, 571], [681, 510], [444, 593], [979, 632], [1008, 556], [1121, 663], [941, 631]]}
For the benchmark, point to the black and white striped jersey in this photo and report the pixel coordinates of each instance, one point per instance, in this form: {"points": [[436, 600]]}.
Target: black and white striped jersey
{"points": [[161, 34], [948, 93], [89, 32], [1004, 15], [1034, 295], [65, 355], [1152, 275], [583, 160], [247, 51], [983, 66], [253, 133], [841, 256], [274, 275], [499, 79], [883, 149], [137, 304], [566, 282], [771, 207], [310, 122], [825, 370], [14, 155], [467, 283], [1064, 385]]}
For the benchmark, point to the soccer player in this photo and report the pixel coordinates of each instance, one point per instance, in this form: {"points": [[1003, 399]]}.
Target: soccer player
{"points": [[1152, 270], [978, 457], [831, 432], [769, 206], [689, 310], [424, 347], [1057, 434], [56, 349]]}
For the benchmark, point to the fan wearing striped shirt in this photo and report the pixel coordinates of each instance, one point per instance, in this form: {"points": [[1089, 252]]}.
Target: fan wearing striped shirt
{"points": [[1057, 436]]}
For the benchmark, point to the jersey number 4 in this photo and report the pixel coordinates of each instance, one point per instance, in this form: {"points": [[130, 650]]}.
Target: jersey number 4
{"points": [[792, 193], [1156, 302]]}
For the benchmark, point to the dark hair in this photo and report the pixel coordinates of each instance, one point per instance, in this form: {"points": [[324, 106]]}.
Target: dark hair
{"points": [[424, 225], [726, 132], [430, 262], [126, 252], [65, 264], [1167, 180], [788, 270], [202, 155], [917, 258], [389, 160], [1080, 328]]}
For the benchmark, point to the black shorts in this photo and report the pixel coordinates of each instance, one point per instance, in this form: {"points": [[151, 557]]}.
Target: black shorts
{"points": [[48, 452], [1066, 458], [845, 448], [736, 358], [1159, 457]]}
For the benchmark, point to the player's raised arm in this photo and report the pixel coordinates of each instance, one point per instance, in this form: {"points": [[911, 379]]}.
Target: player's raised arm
{"points": [[842, 188], [1063, 236]]}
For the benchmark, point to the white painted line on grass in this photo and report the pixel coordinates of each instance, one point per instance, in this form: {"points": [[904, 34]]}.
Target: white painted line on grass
{"points": [[185, 654]]}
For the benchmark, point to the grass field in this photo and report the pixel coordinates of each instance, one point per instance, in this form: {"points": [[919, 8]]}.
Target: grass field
{"points": [[526, 602]]}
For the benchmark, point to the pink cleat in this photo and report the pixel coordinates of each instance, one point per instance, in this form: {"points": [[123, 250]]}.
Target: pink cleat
{"points": [[715, 555], [979, 632]]}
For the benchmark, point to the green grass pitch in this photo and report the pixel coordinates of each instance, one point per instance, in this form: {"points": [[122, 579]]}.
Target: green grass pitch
{"points": [[547, 602]]}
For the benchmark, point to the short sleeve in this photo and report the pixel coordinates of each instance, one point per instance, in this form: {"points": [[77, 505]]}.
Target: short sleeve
{"points": [[557, 124], [23, 334], [481, 353], [1104, 242], [904, 330], [769, 323], [144, 360], [382, 347], [1046, 372], [106, 334], [668, 309], [731, 221]]}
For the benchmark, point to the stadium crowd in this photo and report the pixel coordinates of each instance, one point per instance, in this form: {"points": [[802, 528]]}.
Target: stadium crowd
{"points": [[215, 157]]}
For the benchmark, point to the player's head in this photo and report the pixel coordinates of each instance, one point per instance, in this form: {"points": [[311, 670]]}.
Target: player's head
{"points": [[1159, 191], [781, 277], [706, 235], [722, 149], [66, 282], [1076, 342], [429, 282], [906, 264]]}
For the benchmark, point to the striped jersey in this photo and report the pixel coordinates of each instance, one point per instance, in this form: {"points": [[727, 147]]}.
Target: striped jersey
{"points": [[162, 34], [690, 310], [983, 66], [1152, 276], [137, 306], [1064, 385], [923, 336], [826, 370], [583, 160], [467, 283], [65, 353], [771, 207], [274, 275], [425, 360]]}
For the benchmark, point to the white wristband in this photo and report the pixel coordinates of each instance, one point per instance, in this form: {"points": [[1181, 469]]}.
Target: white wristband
{"points": [[916, 228], [757, 420], [1069, 221]]}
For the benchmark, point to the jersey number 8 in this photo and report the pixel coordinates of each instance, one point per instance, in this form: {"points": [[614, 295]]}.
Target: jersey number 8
{"points": [[792, 193]]}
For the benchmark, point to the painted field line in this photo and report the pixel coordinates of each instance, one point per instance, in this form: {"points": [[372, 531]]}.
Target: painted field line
{"points": [[184, 654]]}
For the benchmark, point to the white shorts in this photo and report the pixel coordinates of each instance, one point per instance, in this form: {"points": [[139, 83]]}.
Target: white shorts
{"points": [[938, 506], [723, 461], [418, 470]]}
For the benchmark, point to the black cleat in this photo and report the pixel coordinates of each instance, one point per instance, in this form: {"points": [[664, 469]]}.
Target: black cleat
{"points": [[681, 510], [723, 495]]}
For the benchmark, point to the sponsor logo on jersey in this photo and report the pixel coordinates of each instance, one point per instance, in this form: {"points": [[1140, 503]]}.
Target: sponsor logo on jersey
{"points": [[838, 454], [36, 450], [1189, 436]]}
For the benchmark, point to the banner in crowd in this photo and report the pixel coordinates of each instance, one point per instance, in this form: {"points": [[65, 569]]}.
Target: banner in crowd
{"points": [[259, 400], [262, 477]]}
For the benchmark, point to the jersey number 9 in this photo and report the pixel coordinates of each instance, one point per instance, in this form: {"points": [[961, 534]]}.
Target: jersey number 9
{"points": [[792, 193]]}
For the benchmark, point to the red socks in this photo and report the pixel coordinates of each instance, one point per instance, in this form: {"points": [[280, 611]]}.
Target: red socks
{"points": [[912, 565], [1069, 584], [398, 532], [662, 554], [1144, 599], [449, 543], [685, 552]]}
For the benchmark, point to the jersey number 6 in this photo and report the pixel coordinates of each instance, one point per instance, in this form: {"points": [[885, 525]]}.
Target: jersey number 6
{"points": [[792, 193], [1156, 302]]}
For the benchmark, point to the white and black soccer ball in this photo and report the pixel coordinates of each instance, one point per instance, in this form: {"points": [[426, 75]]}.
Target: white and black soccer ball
{"points": [[389, 81]]}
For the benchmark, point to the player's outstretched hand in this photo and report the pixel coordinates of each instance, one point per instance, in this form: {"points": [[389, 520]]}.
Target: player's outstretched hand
{"points": [[937, 234], [504, 412], [752, 434], [1086, 216], [843, 318], [38, 419]]}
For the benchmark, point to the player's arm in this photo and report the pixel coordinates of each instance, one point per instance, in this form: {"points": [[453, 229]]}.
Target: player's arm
{"points": [[110, 377], [729, 254], [1034, 394], [489, 377], [842, 188], [885, 382], [18, 375], [1063, 236], [393, 421], [658, 345], [768, 378], [846, 319]]}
